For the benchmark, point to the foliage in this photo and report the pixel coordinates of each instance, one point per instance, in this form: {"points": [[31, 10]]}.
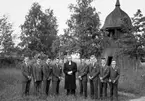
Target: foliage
{"points": [[39, 30], [83, 29], [138, 22], [134, 43], [6, 31]]}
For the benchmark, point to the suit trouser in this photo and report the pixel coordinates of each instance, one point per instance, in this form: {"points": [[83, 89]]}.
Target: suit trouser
{"points": [[55, 87], [26, 87], [94, 88], [37, 86], [83, 87], [91, 88], [46, 85], [103, 89], [113, 90]]}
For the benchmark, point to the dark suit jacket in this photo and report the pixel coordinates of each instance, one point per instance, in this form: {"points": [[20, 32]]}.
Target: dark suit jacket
{"points": [[83, 71], [70, 80], [94, 71], [26, 71], [56, 72], [104, 73], [37, 72], [47, 71], [114, 74]]}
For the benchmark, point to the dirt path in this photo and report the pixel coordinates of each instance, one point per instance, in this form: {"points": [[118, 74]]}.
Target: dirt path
{"points": [[127, 94], [138, 99], [133, 96]]}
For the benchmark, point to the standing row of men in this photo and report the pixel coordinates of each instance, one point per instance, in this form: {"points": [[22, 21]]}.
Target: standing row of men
{"points": [[41, 74], [99, 76]]}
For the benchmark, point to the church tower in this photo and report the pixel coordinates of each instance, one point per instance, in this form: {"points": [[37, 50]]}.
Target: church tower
{"points": [[114, 25]]}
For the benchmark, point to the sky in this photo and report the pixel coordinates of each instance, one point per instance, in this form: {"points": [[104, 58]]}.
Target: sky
{"points": [[16, 10]]}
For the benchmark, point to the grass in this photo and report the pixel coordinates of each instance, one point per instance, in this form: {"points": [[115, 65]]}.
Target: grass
{"points": [[132, 81], [10, 89], [10, 86]]}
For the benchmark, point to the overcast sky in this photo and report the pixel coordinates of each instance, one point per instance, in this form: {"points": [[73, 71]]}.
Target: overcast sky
{"points": [[17, 9]]}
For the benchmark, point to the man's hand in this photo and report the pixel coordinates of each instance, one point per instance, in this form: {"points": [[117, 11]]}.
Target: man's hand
{"points": [[101, 79], [90, 77], [60, 78], [49, 78], [70, 72], [110, 80], [114, 81], [29, 77], [80, 77]]}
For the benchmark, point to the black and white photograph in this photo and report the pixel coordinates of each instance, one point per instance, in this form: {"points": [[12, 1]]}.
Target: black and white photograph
{"points": [[72, 50]]}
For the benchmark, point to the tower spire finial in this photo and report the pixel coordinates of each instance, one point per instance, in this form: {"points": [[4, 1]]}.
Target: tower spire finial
{"points": [[117, 3]]}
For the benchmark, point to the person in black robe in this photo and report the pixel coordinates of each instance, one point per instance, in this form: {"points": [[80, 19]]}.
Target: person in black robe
{"points": [[70, 69]]}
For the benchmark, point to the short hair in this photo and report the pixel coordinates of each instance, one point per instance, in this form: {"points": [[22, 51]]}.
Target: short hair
{"points": [[103, 59], [92, 56], [26, 57], [113, 61], [56, 58], [48, 59], [38, 59]]}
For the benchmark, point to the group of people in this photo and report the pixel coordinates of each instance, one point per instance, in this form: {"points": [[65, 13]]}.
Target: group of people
{"points": [[99, 76]]}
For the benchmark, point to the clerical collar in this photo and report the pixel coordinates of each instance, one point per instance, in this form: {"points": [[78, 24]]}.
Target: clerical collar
{"points": [[69, 62]]}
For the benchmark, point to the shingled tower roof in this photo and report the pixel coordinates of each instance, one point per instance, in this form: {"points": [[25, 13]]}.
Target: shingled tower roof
{"points": [[117, 18]]}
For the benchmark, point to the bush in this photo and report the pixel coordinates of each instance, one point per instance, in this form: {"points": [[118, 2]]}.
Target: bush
{"points": [[10, 62]]}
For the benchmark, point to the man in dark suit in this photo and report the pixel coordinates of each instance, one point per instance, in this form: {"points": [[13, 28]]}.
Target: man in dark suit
{"points": [[70, 69], [26, 76], [47, 70], [38, 76], [94, 77], [82, 75], [56, 77], [104, 76], [113, 80]]}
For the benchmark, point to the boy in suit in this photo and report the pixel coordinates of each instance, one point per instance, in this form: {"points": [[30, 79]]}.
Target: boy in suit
{"points": [[38, 76], [82, 75], [104, 76], [47, 70], [56, 77], [113, 80], [94, 77], [26, 76]]}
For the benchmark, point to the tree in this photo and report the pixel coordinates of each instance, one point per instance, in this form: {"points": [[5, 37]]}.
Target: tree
{"points": [[39, 30], [83, 29], [133, 44], [6, 31], [138, 22]]}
